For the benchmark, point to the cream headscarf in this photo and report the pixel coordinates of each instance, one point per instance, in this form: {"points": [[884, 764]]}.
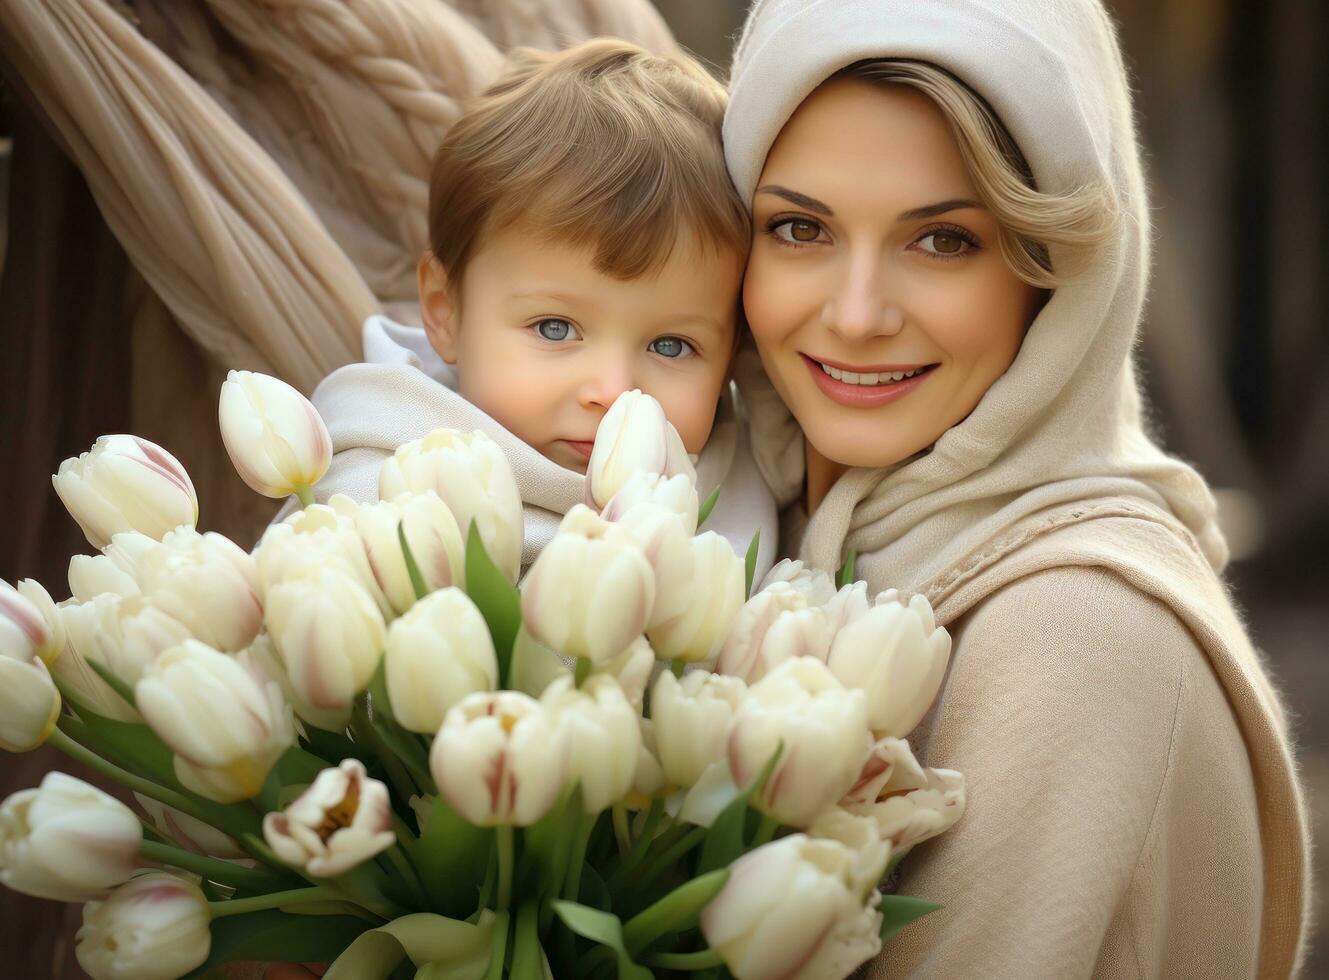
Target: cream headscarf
{"points": [[1064, 424]]}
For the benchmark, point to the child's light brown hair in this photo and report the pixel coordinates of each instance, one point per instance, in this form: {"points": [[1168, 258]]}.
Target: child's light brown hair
{"points": [[604, 145]]}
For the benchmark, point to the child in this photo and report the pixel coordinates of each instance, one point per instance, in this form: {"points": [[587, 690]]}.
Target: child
{"points": [[584, 240]]}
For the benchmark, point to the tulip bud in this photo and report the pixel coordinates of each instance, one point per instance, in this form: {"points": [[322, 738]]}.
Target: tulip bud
{"points": [[81, 625], [823, 729], [499, 758], [432, 535], [846, 606], [590, 592], [154, 927], [898, 655], [128, 633], [665, 542], [189, 832], [714, 596], [262, 660], [677, 494], [790, 910], [906, 819], [535, 666], [773, 626], [29, 704], [343, 819], [634, 435], [125, 483], [273, 434], [890, 769], [691, 718], [320, 535], [632, 669], [206, 582], [816, 586], [226, 727], [872, 853], [94, 575], [329, 633], [648, 779], [66, 840], [41, 600], [437, 653], [24, 632], [471, 474], [603, 737]]}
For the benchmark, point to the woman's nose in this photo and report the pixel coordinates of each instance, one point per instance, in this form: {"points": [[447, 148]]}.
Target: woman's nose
{"points": [[860, 308]]}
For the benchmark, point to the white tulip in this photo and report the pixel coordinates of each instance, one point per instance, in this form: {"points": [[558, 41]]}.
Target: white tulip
{"points": [[329, 632], [124, 483], [790, 910], [66, 840], [816, 586], [535, 666], [343, 819], [81, 624], [320, 535], [273, 434], [225, 725], [663, 539], [432, 535], [890, 769], [632, 669], [648, 779], [691, 718], [633, 436], [29, 704], [24, 631], [128, 633], [590, 592], [206, 582], [872, 853], [437, 653], [499, 758], [910, 818], [714, 596], [471, 474], [898, 655], [677, 494], [94, 575], [846, 606], [823, 729], [41, 600], [714, 790], [189, 832], [773, 626], [603, 737], [262, 660], [154, 927]]}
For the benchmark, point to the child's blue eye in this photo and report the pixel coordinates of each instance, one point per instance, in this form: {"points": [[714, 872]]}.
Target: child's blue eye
{"points": [[671, 347], [554, 329]]}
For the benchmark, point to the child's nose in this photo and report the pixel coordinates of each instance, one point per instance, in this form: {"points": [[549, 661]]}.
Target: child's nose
{"points": [[605, 384]]}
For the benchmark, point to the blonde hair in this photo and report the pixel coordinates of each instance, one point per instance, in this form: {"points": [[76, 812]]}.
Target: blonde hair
{"points": [[601, 145], [1031, 221]]}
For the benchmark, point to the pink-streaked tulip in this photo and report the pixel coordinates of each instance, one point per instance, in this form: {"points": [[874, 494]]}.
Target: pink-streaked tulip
{"points": [[343, 819], [898, 655], [590, 593], [633, 436], [714, 596], [790, 910], [124, 483], [41, 600], [773, 626], [329, 633], [677, 494], [153, 927], [94, 575], [189, 832], [499, 758], [24, 631], [469, 471], [862, 836], [909, 818], [226, 726], [603, 736], [437, 653], [273, 434], [823, 729], [66, 840], [691, 718], [665, 542], [816, 586], [320, 535], [632, 669], [81, 625], [431, 533], [206, 582], [262, 660], [29, 704], [890, 769]]}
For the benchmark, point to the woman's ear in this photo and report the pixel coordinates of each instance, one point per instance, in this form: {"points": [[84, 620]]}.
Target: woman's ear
{"points": [[438, 310]]}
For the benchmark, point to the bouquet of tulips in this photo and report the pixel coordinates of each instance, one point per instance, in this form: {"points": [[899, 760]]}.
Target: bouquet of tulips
{"points": [[366, 743]]}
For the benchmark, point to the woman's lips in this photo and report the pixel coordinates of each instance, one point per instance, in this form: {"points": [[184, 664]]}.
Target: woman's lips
{"points": [[863, 396]]}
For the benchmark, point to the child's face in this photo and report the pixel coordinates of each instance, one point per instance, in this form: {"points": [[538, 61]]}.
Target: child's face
{"points": [[544, 342]]}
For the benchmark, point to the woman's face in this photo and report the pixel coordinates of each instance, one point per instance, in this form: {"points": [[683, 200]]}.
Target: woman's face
{"points": [[876, 290]]}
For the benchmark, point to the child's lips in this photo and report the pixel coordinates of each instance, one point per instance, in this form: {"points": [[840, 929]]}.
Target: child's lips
{"points": [[581, 447]]}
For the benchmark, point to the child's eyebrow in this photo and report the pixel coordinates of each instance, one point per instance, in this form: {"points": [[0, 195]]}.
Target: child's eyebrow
{"points": [[550, 294]]}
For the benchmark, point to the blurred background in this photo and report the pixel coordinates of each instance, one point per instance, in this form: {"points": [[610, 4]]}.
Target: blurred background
{"points": [[1233, 103]]}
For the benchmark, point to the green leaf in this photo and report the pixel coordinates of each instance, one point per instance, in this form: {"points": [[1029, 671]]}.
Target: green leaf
{"points": [[676, 912], [707, 506], [594, 890], [547, 844], [848, 573], [275, 935], [527, 956], [750, 563], [726, 841], [412, 569], [496, 598], [897, 911], [603, 928], [295, 767], [114, 682], [453, 856], [426, 939]]}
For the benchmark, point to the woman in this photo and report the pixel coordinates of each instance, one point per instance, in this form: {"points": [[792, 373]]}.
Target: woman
{"points": [[949, 263]]}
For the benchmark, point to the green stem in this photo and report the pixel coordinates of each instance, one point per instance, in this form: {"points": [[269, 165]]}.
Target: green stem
{"points": [[666, 859], [677, 667], [582, 671], [306, 495], [499, 947], [765, 830], [258, 903], [641, 844], [503, 835], [703, 960], [397, 857], [585, 824], [210, 868], [367, 735]]}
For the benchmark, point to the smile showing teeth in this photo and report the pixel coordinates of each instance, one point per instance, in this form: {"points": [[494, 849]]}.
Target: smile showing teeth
{"points": [[849, 377]]}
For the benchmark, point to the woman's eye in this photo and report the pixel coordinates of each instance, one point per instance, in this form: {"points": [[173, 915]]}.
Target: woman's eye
{"points": [[947, 244], [671, 347], [554, 329], [797, 231]]}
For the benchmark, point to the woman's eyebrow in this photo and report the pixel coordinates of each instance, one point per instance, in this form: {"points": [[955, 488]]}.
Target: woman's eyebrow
{"points": [[794, 197], [941, 207]]}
